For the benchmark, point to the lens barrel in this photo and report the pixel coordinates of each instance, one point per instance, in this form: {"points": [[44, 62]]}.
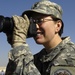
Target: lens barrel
{"points": [[7, 25]]}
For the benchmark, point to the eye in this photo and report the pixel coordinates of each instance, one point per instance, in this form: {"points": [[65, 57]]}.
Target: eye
{"points": [[39, 21]]}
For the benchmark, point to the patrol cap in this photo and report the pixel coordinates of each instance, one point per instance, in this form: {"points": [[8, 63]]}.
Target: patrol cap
{"points": [[45, 7]]}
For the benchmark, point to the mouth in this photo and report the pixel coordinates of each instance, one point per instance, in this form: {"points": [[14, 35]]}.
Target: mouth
{"points": [[39, 34]]}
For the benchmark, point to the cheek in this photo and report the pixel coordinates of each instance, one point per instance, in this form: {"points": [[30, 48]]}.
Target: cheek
{"points": [[49, 32], [49, 29]]}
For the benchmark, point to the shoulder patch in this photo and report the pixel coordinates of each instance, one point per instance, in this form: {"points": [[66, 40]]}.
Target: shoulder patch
{"points": [[62, 70]]}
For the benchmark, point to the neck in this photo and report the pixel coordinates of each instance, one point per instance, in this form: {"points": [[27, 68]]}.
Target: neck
{"points": [[53, 43]]}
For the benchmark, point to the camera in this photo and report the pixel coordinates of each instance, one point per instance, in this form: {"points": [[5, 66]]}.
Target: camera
{"points": [[7, 25]]}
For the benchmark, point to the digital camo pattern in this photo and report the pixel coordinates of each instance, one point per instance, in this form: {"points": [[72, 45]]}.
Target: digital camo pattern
{"points": [[46, 7], [21, 25], [21, 62], [62, 55], [67, 55], [66, 49]]}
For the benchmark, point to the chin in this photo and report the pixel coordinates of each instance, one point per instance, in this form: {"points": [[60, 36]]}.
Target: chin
{"points": [[39, 42]]}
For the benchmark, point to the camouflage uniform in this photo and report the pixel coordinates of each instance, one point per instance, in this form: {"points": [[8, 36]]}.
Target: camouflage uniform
{"points": [[21, 62], [60, 61]]}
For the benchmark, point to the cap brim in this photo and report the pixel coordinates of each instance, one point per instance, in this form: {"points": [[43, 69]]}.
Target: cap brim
{"points": [[29, 13]]}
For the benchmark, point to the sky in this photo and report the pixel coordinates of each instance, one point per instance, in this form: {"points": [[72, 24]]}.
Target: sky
{"points": [[8, 8]]}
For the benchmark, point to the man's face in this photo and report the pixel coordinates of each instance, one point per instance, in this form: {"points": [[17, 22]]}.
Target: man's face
{"points": [[46, 29]]}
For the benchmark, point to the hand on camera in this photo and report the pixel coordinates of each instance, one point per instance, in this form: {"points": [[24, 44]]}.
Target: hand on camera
{"points": [[18, 37]]}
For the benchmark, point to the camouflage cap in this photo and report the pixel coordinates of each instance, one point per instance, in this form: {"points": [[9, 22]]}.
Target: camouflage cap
{"points": [[45, 7]]}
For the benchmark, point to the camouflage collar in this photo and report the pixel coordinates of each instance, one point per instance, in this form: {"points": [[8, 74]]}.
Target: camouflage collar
{"points": [[54, 52]]}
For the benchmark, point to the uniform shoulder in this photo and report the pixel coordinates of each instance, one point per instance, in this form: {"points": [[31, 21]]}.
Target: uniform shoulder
{"points": [[66, 57]]}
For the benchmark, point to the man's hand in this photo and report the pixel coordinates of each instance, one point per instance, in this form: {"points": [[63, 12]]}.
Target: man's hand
{"points": [[21, 25]]}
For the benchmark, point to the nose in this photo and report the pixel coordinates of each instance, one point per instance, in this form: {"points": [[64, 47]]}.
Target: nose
{"points": [[37, 26]]}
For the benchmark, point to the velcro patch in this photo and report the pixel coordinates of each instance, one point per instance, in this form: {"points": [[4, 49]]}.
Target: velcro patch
{"points": [[62, 70]]}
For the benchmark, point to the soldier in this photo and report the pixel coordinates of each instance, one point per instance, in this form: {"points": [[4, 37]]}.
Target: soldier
{"points": [[58, 55]]}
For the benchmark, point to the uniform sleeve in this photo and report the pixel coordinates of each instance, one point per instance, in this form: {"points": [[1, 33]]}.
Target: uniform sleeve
{"points": [[21, 62]]}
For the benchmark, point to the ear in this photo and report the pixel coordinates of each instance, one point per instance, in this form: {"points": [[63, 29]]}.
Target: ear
{"points": [[58, 25]]}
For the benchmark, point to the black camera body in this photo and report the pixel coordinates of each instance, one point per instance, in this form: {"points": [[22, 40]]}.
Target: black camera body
{"points": [[7, 25]]}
